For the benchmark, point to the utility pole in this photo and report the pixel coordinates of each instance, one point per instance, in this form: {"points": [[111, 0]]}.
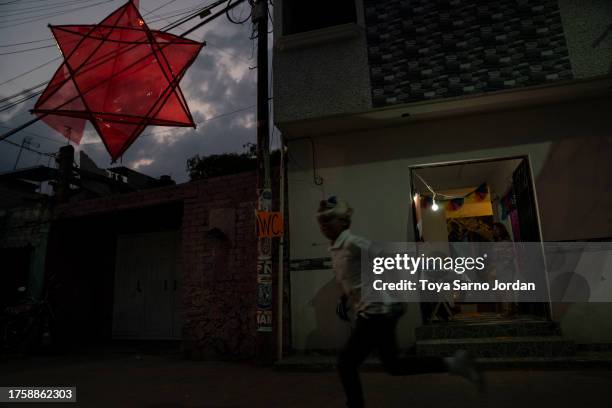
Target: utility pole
{"points": [[265, 339], [65, 160], [260, 15]]}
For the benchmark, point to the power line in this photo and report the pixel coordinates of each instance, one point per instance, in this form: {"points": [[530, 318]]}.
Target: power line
{"points": [[170, 14], [228, 53], [25, 10], [42, 17], [27, 42], [160, 7], [208, 43], [23, 92], [167, 16], [25, 98], [194, 15], [214, 16], [228, 8], [22, 2], [30, 71], [28, 148], [28, 50], [227, 114], [36, 48], [27, 132]]}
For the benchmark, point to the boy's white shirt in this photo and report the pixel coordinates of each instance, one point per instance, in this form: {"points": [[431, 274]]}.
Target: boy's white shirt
{"points": [[346, 261]]}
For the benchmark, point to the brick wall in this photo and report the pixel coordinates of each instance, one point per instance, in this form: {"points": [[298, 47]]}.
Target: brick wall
{"points": [[218, 258], [220, 288]]}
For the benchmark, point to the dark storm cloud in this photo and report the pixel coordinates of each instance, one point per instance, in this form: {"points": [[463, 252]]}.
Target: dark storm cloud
{"points": [[218, 82]]}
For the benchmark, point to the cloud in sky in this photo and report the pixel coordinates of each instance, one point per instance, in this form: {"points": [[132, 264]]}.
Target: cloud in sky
{"points": [[219, 82]]}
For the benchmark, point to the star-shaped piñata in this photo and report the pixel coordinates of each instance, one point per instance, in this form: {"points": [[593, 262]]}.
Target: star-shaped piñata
{"points": [[119, 75]]}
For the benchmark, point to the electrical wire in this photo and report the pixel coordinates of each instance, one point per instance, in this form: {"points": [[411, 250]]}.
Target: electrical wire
{"points": [[435, 193], [195, 14], [227, 114], [231, 19], [227, 52], [23, 2], [160, 7], [13, 104], [29, 149], [28, 50], [208, 43], [42, 17], [30, 71], [317, 179], [37, 48], [162, 16], [23, 11], [167, 16], [62, 142], [24, 92], [27, 42]]}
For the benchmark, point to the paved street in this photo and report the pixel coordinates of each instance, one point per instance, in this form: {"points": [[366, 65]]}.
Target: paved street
{"points": [[163, 381]]}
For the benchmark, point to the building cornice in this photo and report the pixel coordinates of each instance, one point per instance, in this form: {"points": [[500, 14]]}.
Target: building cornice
{"points": [[398, 115]]}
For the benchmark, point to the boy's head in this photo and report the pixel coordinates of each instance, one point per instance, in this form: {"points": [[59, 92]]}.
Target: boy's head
{"points": [[334, 216]]}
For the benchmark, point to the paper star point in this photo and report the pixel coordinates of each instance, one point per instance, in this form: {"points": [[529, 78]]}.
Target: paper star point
{"points": [[120, 76]]}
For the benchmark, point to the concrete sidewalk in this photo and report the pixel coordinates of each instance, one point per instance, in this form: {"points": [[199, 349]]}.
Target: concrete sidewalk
{"points": [[166, 381]]}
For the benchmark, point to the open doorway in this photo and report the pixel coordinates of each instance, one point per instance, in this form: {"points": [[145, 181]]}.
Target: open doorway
{"points": [[488, 200]]}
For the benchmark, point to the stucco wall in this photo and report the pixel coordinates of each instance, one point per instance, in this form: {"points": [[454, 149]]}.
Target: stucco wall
{"points": [[568, 146], [584, 22], [322, 79]]}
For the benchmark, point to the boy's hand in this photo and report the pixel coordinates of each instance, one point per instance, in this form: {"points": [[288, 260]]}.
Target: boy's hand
{"points": [[342, 308]]}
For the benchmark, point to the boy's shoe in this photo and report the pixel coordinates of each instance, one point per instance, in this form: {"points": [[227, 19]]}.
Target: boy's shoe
{"points": [[462, 364]]}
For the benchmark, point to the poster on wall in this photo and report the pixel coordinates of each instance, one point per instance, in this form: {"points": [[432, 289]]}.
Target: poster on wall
{"points": [[264, 320], [266, 220]]}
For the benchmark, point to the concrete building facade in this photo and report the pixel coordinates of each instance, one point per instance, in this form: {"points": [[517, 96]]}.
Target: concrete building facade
{"points": [[409, 86]]}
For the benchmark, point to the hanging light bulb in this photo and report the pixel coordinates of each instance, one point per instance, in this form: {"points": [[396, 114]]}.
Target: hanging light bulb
{"points": [[434, 205]]}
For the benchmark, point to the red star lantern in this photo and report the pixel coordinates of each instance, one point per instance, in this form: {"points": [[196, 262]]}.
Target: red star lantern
{"points": [[119, 75]]}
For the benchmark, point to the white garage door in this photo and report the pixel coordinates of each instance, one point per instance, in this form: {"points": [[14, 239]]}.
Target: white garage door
{"points": [[147, 294]]}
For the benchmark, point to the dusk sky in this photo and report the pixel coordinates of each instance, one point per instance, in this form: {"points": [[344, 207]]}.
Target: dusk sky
{"points": [[219, 82]]}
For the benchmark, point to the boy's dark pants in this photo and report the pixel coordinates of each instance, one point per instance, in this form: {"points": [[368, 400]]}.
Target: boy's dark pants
{"points": [[377, 332]]}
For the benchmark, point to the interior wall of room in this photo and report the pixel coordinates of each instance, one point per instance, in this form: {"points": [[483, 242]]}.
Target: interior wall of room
{"points": [[434, 225], [447, 179]]}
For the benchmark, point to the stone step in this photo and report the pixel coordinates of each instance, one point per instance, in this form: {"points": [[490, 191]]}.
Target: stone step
{"points": [[582, 360], [499, 347], [509, 328]]}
